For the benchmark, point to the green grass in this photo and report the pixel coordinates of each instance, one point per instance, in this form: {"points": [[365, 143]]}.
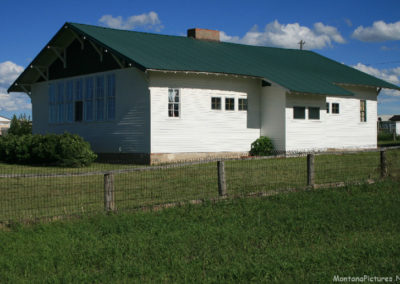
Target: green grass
{"points": [[307, 236], [31, 198]]}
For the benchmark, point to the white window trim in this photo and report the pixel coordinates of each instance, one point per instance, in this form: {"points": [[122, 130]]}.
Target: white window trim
{"points": [[179, 104]]}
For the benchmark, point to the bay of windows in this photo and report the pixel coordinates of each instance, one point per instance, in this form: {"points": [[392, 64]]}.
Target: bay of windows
{"points": [[89, 99]]}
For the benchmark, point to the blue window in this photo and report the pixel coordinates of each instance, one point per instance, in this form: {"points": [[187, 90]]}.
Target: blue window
{"points": [[100, 98], [70, 101], [111, 96], [89, 99], [60, 102], [52, 103]]}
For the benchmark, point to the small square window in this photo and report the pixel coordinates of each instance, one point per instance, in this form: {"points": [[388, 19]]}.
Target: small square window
{"points": [[313, 113], [299, 112], [229, 104], [242, 104], [215, 103], [335, 108], [327, 107]]}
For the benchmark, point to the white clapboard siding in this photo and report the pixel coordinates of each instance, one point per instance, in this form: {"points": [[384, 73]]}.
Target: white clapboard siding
{"points": [[305, 134], [128, 133], [199, 128], [273, 115], [345, 130]]}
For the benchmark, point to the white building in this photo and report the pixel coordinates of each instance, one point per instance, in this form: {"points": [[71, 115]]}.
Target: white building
{"points": [[4, 125], [157, 98]]}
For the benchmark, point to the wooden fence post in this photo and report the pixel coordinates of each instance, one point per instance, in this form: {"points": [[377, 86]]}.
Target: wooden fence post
{"points": [[109, 204], [310, 170], [384, 167], [221, 178]]}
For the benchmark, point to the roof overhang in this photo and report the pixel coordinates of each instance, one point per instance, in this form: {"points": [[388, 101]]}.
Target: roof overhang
{"points": [[55, 49]]}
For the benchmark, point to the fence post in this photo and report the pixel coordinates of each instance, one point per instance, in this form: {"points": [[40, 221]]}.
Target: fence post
{"points": [[384, 167], [109, 204], [310, 170], [221, 178]]}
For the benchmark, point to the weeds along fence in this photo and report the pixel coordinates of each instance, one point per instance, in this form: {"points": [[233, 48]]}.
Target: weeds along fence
{"points": [[35, 193]]}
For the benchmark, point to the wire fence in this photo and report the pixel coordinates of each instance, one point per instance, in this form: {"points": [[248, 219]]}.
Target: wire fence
{"points": [[34, 193]]}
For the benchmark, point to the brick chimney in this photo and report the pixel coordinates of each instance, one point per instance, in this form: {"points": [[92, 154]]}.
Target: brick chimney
{"points": [[203, 34]]}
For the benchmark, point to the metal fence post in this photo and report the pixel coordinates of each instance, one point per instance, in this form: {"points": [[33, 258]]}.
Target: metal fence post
{"points": [[384, 167], [109, 204], [310, 170], [221, 178]]}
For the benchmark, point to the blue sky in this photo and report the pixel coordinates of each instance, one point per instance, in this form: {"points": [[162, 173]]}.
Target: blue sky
{"points": [[363, 34]]}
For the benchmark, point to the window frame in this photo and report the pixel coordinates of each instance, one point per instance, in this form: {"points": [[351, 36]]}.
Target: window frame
{"points": [[111, 97], [318, 111], [334, 110], [216, 104], [294, 112], [363, 111], [229, 104], [99, 97], [89, 99], [174, 103], [243, 106]]}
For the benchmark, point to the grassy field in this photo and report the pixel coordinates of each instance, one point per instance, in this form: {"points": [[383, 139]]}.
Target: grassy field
{"points": [[38, 197], [307, 236]]}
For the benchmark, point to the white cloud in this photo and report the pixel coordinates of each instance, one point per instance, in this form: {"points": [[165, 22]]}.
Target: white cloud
{"points": [[14, 101], [148, 21], [9, 71], [391, 75], [378, 32], [289, 35]]}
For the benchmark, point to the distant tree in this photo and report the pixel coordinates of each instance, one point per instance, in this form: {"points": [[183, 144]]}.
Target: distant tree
{"points": [[20, 126]]}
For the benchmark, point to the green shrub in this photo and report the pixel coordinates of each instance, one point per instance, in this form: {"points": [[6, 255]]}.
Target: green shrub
{"points": [[65, 150], [262, 147], [20, 126]]}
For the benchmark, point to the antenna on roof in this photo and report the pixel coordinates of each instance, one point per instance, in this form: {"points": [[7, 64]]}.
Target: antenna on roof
{"points": [[302, 43]]}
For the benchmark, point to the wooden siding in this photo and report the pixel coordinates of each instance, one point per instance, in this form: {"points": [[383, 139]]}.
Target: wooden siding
{"points": [[128, 133], [305, 134], [332, 131], [273, 101], [199, 128]]}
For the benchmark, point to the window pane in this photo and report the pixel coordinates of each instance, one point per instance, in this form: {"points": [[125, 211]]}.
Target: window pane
{"points": [[78, 89], [215, 103], [313, 113], [89, 99], [299, 112], [335, 108], [170, 110], [99, 98], [60, 102], [363, 111], [78, 111], [242, 104], [229, 104], [170, 95], [327, 107], [177, 96], [110, 97]]}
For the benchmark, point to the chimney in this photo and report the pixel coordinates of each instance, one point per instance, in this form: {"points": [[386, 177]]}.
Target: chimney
{"points": [[203, 34]]}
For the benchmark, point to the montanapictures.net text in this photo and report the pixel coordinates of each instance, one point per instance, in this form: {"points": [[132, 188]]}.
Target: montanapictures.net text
{"points": [[366, 278]]}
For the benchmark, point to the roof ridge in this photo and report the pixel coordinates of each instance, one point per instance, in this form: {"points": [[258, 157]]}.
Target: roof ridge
{"points": [[188, 38]]}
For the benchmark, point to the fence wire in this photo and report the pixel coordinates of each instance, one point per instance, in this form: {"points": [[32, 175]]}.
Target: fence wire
{"points": [[32, 193]]}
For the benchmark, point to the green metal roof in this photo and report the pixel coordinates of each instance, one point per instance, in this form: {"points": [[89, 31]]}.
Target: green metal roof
{"points": [[296, 70]]}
